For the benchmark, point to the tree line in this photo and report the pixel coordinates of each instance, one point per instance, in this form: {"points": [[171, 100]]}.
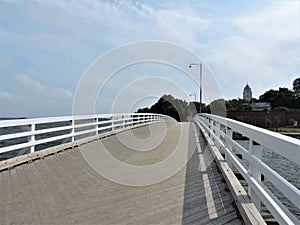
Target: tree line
{"points": [[281, 99], [181, 110]]}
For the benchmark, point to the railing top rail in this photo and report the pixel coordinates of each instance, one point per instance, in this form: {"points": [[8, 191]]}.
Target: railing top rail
{"points": [[23, 134], [286, 146], [21, 122]]}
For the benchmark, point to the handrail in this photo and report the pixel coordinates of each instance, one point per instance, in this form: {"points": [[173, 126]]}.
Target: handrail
{"points": [[221, 131], [20, 134]]}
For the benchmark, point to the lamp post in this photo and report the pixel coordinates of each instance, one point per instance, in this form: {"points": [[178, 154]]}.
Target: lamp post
{"points": [[193, 95], [200, 77]]}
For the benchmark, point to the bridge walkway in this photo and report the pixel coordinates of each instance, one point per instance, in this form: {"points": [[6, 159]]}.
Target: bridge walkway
{"points": [[64, 189]]}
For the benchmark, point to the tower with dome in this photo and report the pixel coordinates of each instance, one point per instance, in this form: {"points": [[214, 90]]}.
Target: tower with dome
{"points": [[247, 93]]}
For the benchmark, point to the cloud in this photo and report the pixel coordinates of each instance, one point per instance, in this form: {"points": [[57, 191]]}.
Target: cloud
{"points": [[29, 85], [50, 43], [280, 22], [263, 51], [6, 96], [122, 21], [29, 97]]}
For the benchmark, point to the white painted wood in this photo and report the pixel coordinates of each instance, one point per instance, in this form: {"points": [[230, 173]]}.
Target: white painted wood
{"points": [[89, 124], [15, 147], [285, 146], [247, 209], [15, 135], [255, 172], [32, 138]]}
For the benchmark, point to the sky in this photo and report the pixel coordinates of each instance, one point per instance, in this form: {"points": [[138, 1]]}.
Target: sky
{"points": [[46, 47]]}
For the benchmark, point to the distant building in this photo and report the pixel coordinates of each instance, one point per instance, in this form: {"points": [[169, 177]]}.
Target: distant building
{"points": [[247, 93], [261, 106], [266, 119]]}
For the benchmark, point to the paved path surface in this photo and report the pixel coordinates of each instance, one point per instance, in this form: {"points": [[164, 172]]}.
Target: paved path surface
{"points": [[64, 189]]}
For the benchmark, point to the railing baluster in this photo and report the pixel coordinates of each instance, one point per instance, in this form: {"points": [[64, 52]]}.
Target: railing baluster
{"points": [[112, 123], [229, 133], [32, 138], [73, 129], [283, 145], [211, 125], [254, 172], [96, 125]]}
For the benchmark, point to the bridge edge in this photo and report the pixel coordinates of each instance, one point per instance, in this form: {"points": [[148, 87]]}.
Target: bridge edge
{"points": [[246, 207]]}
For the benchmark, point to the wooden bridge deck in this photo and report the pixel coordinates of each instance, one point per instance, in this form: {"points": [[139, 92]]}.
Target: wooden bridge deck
{"points": [[64, 189]]}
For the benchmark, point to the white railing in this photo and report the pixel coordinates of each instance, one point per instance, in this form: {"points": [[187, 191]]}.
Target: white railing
{"points": [[22, 136], [221, 131]]}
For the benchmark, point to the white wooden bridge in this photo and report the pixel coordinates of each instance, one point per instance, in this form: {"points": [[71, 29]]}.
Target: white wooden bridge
{"points": [[59, 185]]}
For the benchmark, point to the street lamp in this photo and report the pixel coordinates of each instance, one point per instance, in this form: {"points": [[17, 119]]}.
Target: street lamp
{"points": [[200, 75], [193, 95]]}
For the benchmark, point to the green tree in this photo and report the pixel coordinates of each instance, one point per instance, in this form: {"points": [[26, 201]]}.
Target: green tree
{"points": [[282, 97], [237, 105], [168, 105], [143, 110], [176, 108], [194, 107], [296, 88]]}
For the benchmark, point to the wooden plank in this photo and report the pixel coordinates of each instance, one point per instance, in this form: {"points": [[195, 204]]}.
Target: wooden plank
{"points": [[2, 204], [27, 202], [18, 211], [6, 198], [65, 190], [42, 190]]}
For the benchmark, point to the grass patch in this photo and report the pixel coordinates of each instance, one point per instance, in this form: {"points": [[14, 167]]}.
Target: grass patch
{"points": [[286, 130]]}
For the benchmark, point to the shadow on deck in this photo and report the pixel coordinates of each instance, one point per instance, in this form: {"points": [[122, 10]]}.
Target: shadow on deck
{"points": [[207, 199]]}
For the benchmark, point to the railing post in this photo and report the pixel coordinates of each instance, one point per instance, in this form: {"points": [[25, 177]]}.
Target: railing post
{"points": [[96, 125], [73, 129], [218, 130], [254, 150], [32, 138], [229, 133], [215, 130], [124, 119], [112, 123], [207, 120], [211, 124]]}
